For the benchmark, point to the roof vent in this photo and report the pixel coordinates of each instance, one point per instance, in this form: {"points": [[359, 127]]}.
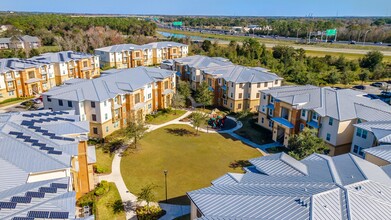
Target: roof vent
{"points": [[358, 187], [305, 189]]}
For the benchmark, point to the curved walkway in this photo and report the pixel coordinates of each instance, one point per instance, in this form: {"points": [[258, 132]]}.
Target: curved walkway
{"points": [[130, 200]]}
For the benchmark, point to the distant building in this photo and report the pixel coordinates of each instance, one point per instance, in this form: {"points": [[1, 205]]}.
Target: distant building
{"points": [[235, 87], [114, 99], [29, 77], [20, 42], [132, 55], [280, 187], [46, 164], [334, 113]]}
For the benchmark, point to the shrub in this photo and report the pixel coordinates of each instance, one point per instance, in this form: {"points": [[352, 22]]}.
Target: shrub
{"points": [[87, 199], [151, 213], [102, 188]]}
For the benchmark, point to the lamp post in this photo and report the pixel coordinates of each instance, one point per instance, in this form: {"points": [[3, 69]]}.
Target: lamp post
{"points": [[165, 181]]}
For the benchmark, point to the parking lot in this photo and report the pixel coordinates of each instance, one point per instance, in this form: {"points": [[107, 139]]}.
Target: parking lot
{"points": [[23, 106]]}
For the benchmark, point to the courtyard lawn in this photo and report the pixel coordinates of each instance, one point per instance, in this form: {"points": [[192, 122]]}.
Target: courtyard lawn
{"points": [[109, 206], [192, 161], [254, 132], [163, 117], [103, 161]]}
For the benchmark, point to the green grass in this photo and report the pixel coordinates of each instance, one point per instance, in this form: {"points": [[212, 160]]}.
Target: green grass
{"points": [[350, 56], [105, 205], [166, 117], [46, 49], [12, 101], [192, 161], [103, 161], [254, 132]]}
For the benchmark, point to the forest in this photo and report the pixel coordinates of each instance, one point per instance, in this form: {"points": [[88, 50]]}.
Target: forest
{"points": [[74, 32]]}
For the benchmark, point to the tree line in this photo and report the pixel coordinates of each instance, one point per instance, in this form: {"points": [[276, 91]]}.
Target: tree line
{"points": [[75, 33]]}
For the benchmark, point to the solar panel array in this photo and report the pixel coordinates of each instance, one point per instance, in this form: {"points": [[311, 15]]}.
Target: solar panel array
{"points": [[59, 215], [38, 214], [22, 218], [47, 214], [48, 189], [45, 114], [42, 146], [59, 185], [21, 199], [30, 124], [7, 205], [35, 194]]}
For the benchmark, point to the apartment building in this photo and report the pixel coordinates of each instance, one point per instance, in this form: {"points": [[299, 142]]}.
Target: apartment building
{"points": [[68, 65], [24, 78], [46, 164], [288, 109], [20, 42], [132, 55], [280, 187], [29, 77], [114, 99], [235, 87]]}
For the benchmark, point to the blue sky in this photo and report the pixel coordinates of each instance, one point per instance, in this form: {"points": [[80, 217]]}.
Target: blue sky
{"points": [[207, 7]]}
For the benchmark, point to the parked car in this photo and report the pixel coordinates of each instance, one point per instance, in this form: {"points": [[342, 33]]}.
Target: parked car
{"points": [[372, 96], [378, 43], [361, 87], [384, 93], [379, 84], [352, 42], [37, 101], [330, 41]]}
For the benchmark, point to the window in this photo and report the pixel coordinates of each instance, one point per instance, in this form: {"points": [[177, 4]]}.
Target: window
{"points": [[11, 93], [225, 101], [270, 112], [95, 130], [210, 82], [359, 121], [105, 103], [240, 85], [106, 116], [314, 116], [265, 84], [257, 95], [70, 104], [240, 95], [230, 105], [92, 104], [85, 64], [107, 128], [239, 106], [264, 96], [60, 102], [93, 117], [149, 96], [358, 150], [49, 99], [262, 120], [276, 82], [31, 74], [232, 84], [301, 126], [328, 136], [248, 95], [364, 134], [232, 95], [258, 85], [271, 99], [331, 121], [303, 113], [149, 106], [249, 85], [359, 132], [137, 98], [270, 124]]}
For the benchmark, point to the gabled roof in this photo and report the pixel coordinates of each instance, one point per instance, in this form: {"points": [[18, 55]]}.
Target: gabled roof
{"points": [[60, 57], [383, 152], [326, 191], [381, 130], [340, 104], [129, 47], [110, 84]]}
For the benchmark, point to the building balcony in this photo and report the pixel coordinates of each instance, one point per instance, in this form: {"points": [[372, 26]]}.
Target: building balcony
{"points": [[283, 122], [313, 124]]}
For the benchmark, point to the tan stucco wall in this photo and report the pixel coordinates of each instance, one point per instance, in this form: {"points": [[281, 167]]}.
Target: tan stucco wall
{"points": [[376, 160]]}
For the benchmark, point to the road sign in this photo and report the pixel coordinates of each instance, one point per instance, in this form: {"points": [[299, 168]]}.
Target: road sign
{"points": [[177, 23], [331, 32]]}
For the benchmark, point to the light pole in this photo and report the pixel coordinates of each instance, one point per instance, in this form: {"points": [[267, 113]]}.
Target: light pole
{"points": [[365, 36], [165, 181]]}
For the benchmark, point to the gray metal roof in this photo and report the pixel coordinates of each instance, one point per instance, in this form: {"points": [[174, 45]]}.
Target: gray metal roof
{"points": [[341, 104], [34, 142], [129, 47], [223, 68], [326, 191], [60, 57], [383, 152], [110, 84], [62, 200], [380, 129]]}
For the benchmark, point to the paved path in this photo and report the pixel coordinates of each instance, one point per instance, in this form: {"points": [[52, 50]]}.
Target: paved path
{"points": [[173, 211]]}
